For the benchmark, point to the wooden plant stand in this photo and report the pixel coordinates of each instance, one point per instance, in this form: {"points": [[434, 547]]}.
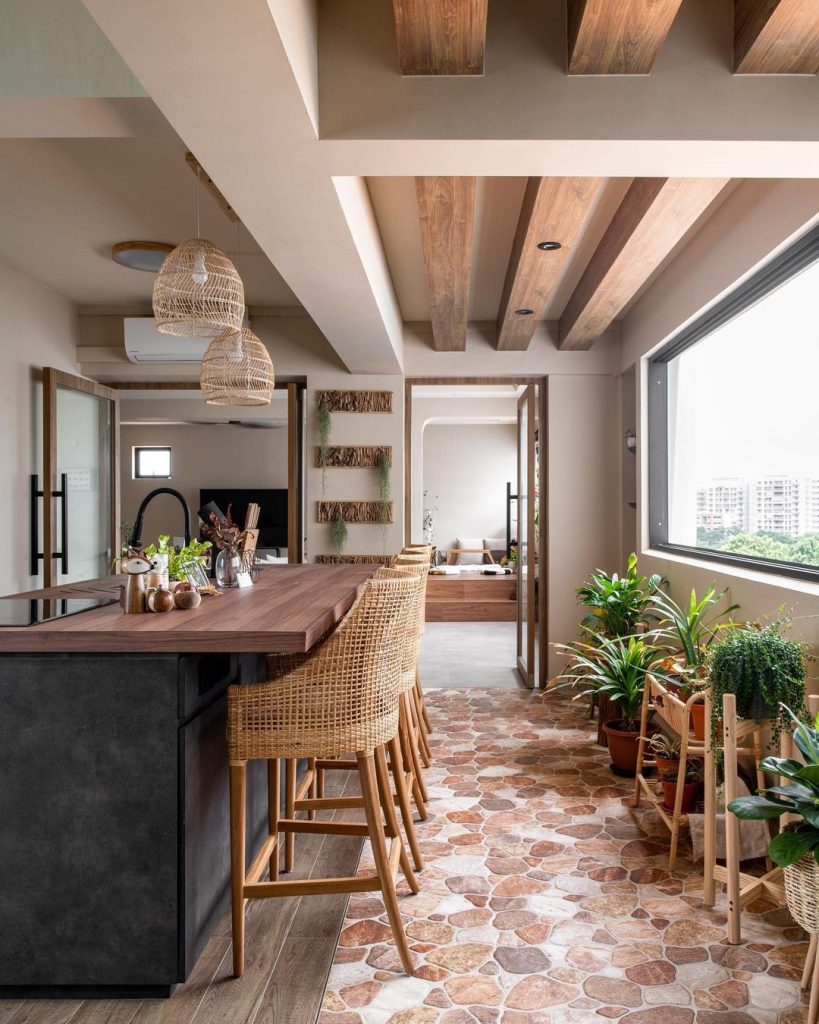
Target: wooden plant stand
{"points": [[676, 714]]}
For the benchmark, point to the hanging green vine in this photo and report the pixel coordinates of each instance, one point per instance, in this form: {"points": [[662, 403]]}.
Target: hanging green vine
{"points": [[338, 534], [325, 427], [383, 472]]}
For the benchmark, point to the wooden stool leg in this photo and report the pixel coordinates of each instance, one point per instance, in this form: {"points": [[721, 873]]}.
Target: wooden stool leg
{"points": [[420, 691], [810, 960], [238, 777], [813, 1005], [412, 726], [311, 768], [406, 749], [290, 812], [273, 807], [388, 805], [375, 827], [397, 768]]}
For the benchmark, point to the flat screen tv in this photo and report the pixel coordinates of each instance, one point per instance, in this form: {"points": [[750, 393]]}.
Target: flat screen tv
{"points": [[273, 515]]}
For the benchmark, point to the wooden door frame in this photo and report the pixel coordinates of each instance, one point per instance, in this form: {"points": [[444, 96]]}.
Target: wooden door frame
{"points": [[296, 390], [543, 482], [52, 380], [526, 665]]}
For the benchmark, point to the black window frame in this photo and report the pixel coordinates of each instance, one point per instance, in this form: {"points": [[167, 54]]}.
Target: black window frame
{"points": [[778, 271], [136, 475]]}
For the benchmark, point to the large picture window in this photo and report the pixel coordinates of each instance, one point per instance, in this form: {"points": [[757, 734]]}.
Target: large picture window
{"points": [[734, 425]]}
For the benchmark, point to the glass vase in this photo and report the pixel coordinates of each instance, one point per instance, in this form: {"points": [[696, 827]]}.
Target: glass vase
{"points": [[228, 564]]}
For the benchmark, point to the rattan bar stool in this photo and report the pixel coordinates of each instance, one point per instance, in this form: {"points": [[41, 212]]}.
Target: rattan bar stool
{"points": [[343, 698]]}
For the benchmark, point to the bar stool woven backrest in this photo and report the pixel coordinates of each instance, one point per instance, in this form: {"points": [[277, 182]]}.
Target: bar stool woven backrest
{"points": [[412, 640], [343, 699]]}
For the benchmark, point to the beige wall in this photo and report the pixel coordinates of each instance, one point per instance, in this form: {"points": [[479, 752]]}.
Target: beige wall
{"points": [[465, 470], [757, 220], [202, 456], [38, 328]]}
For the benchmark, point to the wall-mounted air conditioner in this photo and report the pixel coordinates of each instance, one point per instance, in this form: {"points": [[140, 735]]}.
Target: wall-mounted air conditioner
{"points": [[145, 344]]}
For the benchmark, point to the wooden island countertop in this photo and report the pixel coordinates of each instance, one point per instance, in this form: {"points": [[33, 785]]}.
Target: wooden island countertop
{"points": [[288, 610]]}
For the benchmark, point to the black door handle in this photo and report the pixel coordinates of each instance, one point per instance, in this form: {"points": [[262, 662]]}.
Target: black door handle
{"points": [[36, 555]]}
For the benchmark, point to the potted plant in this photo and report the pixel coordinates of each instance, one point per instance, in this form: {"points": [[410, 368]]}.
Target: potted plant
{"points": [[382, 469], [324, 421], [617, 604], [666, 750], [617, 669], [766, 672], [181, 558], [796, 847]]}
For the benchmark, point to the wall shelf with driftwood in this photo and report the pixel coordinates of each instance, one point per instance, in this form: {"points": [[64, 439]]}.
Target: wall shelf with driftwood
{"points": [[352, 456], [355, 401], [354, 512], [350, 559]]}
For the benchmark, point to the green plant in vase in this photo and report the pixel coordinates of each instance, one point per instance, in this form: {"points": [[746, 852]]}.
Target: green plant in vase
{"points": [[181, 558], [617, 604], [324, 421], [338, 534], [766, 672], [383, 471]]}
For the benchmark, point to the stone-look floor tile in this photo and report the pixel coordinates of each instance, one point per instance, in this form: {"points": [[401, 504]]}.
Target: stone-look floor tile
{"points": [[546, 897]]}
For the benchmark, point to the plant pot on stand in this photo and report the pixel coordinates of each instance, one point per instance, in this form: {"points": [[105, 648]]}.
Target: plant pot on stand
{"points": [[622, 744]]}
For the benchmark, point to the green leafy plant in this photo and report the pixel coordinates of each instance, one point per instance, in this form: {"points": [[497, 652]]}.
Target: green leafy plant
{"points": [[181, 558], [615, 667], [338, 534], [800, 796], [692, 627], [383, 472], [162, 546], [324, 421], [664, 745], [764, 669], [617, 604]]}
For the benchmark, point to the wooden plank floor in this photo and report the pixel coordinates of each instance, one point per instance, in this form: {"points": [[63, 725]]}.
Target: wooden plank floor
{"points": [[289, 948]]}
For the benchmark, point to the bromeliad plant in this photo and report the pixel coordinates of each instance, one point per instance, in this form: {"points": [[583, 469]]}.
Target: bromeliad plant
{"points": [[617, 604], [800, 796]]}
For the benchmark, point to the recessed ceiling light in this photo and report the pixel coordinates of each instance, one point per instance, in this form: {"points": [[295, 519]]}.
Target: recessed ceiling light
{"points": [[147, 256], [524, 312], [548, 246]]}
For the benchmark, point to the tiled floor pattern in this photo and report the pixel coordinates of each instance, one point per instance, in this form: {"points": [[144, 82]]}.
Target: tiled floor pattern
{"points": [[545, 898]]}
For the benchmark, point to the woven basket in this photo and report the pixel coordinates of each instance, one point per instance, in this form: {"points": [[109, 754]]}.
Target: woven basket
{"points": [[237, 370], [198, 292], [802, 892]]}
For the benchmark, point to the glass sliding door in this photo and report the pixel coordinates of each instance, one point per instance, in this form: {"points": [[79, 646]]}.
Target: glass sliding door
{"points": [[80, 501], [527, 565]]}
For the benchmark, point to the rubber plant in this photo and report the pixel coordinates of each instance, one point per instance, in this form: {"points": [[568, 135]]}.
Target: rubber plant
{"points": [[766, 672], [338, 534], [383, 471], [324, 421]]}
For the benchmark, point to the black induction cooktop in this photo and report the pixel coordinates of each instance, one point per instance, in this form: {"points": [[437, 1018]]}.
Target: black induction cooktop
{"points": [[18, 611]]}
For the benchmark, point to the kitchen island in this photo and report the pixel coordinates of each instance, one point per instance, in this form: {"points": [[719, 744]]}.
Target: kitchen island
{"points": [[114, 843]]}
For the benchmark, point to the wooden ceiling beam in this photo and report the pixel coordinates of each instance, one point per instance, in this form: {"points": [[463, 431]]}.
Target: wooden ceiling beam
{"points": [[652, 219], [441, 37], [553, 210], [446, 207], [622, 38], [776, 37]]}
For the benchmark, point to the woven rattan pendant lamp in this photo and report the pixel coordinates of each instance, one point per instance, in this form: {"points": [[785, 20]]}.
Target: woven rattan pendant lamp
{"points": [[237, 370], [198, 292]]}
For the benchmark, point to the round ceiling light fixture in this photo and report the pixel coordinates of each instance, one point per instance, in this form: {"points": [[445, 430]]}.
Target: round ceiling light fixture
{"points": [[524, 312], [147, 256], [549, 246]]}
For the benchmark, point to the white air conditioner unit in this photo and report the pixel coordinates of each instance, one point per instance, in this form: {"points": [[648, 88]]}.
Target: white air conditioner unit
{"points": [[145, 344]]}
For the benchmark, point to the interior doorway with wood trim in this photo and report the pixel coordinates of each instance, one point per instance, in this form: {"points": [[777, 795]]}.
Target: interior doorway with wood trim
{"points": [[473, 468]]}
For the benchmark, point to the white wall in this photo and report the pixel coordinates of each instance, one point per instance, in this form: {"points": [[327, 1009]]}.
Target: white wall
{"points": [[38, 328], [757, 220], [202, 456], [466, 468]]}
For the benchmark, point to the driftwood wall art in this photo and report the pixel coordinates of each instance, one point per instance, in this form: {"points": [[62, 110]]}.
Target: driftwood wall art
{"points": [[352, 511], [353, 456], [352, 559], [355, 401]]}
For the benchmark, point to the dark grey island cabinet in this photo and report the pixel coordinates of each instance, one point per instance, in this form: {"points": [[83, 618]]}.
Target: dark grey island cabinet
{"points": [[114, 841]]}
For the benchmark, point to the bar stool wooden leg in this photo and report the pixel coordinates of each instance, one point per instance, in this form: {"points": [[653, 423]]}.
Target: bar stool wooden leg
{"points": [[419, 690], [238, 776], [406, 750], [397, 768], [412, 726], [375, 826], [311, 768], [290, 812], [388, 805], [273, 810]]}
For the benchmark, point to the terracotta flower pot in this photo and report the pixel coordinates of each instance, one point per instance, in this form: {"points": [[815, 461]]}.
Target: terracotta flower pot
{"points": [[689, 799], [622, 745], [698, 720], [667, 767]]}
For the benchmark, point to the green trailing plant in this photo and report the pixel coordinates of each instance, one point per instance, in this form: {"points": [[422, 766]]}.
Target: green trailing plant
{"points": [[615, 667], [383, 472], [692, 627], [338, 534], [799, 796], [324, 421], [766, 672], [617, 604]]}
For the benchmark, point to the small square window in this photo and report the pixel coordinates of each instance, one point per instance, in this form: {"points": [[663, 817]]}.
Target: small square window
{"points": [[152, 463]]}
